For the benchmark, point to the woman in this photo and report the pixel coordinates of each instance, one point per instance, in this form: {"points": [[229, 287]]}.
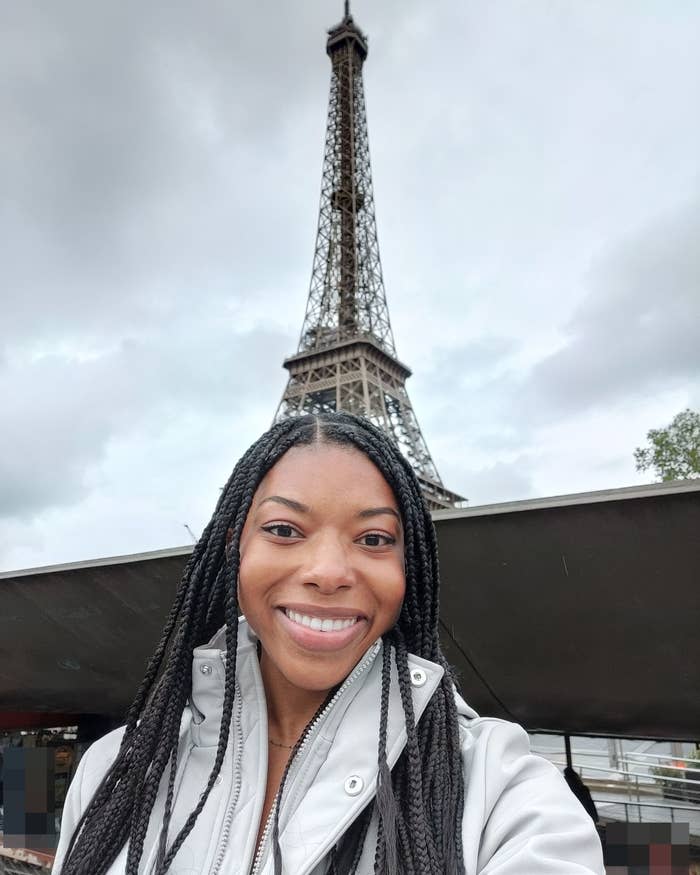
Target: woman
{"points": [[322, 733]]}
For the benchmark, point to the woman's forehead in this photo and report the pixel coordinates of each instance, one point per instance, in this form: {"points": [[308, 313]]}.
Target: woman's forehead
{"points": [[326, 471]]}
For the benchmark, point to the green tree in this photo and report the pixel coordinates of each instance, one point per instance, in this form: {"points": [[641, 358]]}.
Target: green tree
{"points": [[674, 453]]}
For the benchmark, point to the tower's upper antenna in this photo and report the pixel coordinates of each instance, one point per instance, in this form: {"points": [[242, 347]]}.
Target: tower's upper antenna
{"points": [[347, 8]]}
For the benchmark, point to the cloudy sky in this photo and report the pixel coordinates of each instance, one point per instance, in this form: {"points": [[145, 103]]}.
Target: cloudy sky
{"points": [[537, 178]]}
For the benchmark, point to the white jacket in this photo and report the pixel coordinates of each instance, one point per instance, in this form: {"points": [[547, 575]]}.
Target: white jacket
{"points": [[520, 818]]}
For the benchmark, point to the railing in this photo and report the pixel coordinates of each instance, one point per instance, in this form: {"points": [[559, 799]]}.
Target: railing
{"points": [[636, 774], [631, 808]]}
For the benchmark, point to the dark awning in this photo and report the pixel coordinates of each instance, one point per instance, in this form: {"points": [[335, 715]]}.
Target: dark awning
{"points": [[577, 614]]}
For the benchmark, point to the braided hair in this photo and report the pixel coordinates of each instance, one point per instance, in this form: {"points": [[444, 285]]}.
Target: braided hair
{"points": [[418, 805]]}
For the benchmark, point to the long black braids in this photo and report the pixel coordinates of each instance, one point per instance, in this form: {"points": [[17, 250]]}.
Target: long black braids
{"points": [[418, 811]]}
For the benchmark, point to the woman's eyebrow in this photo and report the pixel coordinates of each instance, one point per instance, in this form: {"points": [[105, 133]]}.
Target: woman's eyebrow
{"points": [[287, 502], [302, 508], [378, 511]]}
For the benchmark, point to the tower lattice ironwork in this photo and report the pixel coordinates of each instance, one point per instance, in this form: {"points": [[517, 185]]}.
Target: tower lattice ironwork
{"points": [[346, 359]]}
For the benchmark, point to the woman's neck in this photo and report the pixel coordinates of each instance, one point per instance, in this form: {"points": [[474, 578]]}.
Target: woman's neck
{"points": [[289, 708]]}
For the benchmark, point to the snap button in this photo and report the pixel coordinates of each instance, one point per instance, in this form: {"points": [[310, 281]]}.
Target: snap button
{"points": [[418, 677], [205, 668], [354, 785]]}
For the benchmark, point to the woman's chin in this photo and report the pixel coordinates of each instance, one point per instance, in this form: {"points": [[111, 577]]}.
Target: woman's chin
{"points": [[312, 679]]}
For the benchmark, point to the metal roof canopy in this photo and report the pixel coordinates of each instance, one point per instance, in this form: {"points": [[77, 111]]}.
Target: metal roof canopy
{"points": [[576, 614], [581, 613]]}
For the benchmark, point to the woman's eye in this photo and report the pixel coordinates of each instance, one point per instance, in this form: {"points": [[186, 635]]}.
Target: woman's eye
{"points": [[376, 539], [281, 530]]}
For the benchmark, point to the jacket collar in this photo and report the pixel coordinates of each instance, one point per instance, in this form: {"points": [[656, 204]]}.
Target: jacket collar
{"points": [[208, 678], [209, 668]]}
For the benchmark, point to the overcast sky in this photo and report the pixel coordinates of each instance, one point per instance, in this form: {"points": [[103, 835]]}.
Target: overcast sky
{"points": [[537, 180]]}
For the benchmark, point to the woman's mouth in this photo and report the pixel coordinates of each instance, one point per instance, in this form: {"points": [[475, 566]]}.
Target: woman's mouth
{"points": [[318, 624], [310, 631]]}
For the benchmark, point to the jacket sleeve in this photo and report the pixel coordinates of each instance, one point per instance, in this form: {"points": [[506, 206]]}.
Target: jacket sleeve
{"points": [[72, 810], [92, 768], [520, 818]]}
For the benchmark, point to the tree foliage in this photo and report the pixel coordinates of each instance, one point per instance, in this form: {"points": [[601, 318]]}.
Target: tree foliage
{"points": [[674, 451]]}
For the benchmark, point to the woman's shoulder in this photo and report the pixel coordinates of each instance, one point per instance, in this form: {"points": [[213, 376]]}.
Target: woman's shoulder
{"points": [[106, 746], [492, 746], [95, 762], [97, 759], [519, 814], [476, 729], [92, 768], [496, 751]]}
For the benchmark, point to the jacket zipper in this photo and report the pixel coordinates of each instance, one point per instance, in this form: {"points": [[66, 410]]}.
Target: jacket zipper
{"points": [[263, 838], [349, 680], [237, 777]]}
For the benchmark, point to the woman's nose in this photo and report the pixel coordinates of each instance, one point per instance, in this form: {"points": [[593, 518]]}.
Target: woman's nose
{"points": [[329, 565]]}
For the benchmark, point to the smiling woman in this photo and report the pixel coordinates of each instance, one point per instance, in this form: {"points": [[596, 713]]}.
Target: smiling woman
{"points": [[321, 732]]}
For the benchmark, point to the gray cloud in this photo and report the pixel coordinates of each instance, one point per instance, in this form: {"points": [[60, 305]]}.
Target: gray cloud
{"points": [[631, 342], [64, 411], [145, 145], [637, 330], [500, 482]]}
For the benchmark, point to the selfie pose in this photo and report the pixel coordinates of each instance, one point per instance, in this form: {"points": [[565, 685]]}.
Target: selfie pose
{"points": [[321, 731]]}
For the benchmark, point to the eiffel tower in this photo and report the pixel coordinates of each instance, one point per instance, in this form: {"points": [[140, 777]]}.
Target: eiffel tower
{"points": [[346, 359]]}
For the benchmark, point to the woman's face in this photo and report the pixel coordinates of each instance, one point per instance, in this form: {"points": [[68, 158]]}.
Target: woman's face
{"points": [[322, 563]]}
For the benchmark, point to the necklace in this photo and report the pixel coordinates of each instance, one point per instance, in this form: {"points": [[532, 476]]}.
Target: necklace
{"points": [[278, 744]]}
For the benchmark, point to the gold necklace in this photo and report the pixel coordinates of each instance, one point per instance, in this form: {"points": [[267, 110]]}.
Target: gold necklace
{"points": [[277, 744]]}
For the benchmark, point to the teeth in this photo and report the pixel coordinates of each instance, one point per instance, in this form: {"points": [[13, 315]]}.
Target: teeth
{"points": [[316, 623]]}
